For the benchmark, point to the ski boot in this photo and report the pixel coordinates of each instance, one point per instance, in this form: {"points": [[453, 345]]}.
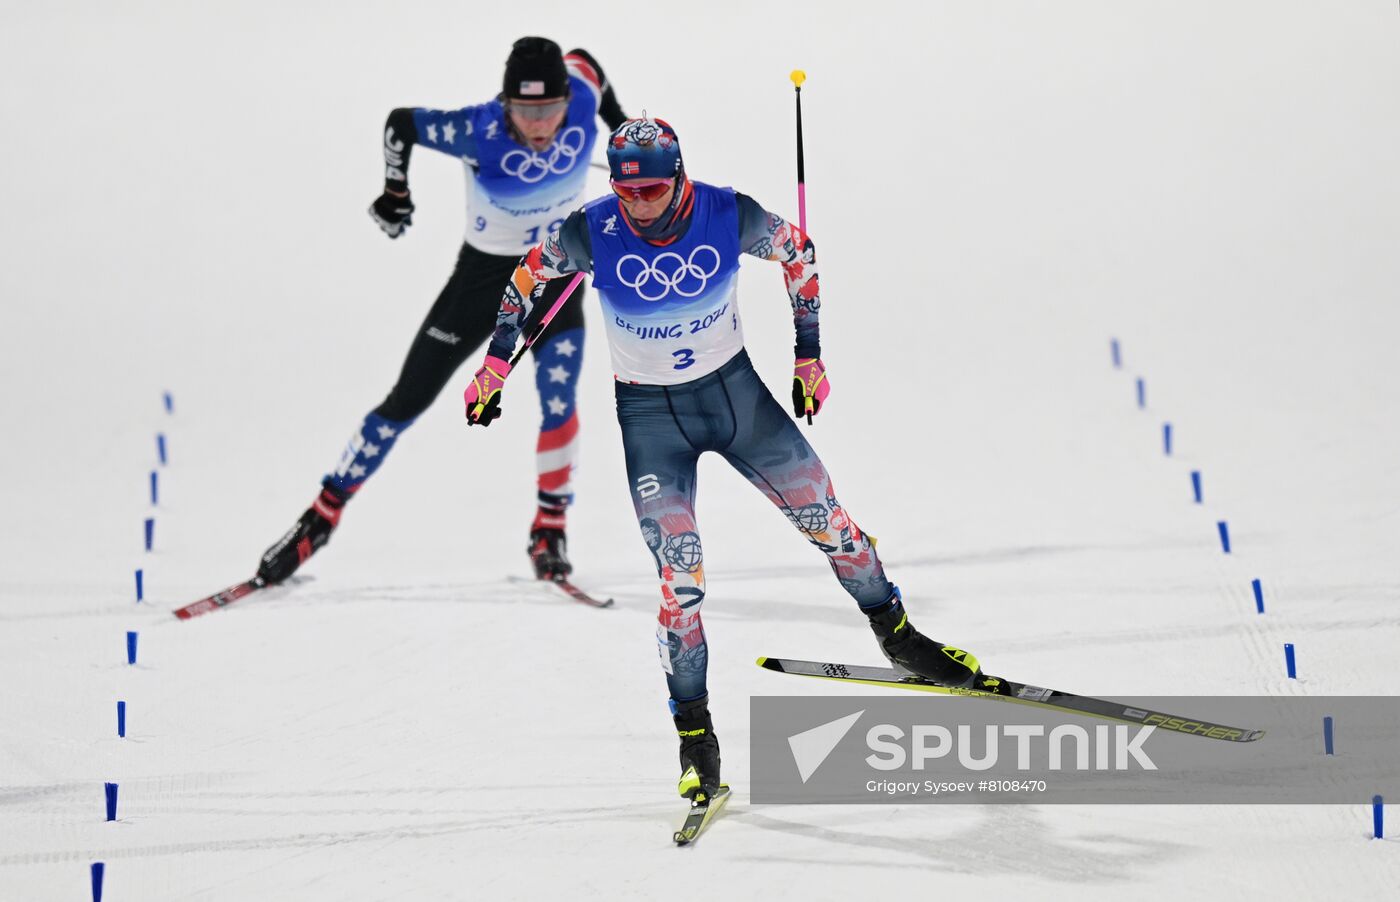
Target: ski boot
{"points": [[305, 538], [914, 653], [699, 749], [547, 553]]}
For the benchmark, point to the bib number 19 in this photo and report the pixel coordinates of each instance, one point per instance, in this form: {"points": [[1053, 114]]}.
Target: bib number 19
{"points": [[532, 236]]}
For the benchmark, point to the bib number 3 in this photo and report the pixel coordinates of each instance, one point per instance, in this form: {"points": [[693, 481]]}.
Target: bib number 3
{"points": [[684, 357]]}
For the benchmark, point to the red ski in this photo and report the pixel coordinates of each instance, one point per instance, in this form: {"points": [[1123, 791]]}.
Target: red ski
{"points": [[568, 589], [578, 594], [220, 599]]}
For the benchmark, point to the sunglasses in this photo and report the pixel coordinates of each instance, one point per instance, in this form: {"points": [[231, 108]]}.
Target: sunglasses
{"points": [[538, 111], [646, 191]]}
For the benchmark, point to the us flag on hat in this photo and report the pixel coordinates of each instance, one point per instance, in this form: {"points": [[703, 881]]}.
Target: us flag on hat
{"points": [[532, 89]]}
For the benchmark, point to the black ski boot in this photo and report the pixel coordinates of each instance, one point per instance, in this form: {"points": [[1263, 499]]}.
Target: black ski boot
{"points": [[547, 553], [699, 748], [305, 538], [913, 652]]}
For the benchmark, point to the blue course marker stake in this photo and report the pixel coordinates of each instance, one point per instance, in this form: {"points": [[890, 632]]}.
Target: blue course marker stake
{"points": [[1196, 485], [1224, 536], [160, 447], [169, 403], [98, 869], [150, 532], [1166, 439], [155, 488], [1289, 661], [131, 646], [111, 790], [1327, 734], [1142, 393], [121, 719], [1258, 595], [1117, 355], [1378, 817], [140, 584]]}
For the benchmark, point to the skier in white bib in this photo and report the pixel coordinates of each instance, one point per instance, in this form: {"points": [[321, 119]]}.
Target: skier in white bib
{"points": [[664, 253]]}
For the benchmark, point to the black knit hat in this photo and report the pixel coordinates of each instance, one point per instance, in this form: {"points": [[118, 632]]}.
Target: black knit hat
{"points": [[535, 70]]}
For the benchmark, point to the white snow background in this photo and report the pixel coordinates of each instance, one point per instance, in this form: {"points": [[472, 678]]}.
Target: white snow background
{"points": [[995, 190]]}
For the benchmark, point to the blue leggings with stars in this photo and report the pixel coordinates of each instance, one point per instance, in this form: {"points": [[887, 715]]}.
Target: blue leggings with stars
{"points": [[459, 323]]}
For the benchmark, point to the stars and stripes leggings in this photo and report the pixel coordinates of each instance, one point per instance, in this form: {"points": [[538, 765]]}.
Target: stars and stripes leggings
{"points": [[459, 322], [665, 429]]}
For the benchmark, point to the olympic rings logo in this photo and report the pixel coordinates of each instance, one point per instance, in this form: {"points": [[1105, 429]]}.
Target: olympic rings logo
{"points": [[531, 167], [669, 272]]}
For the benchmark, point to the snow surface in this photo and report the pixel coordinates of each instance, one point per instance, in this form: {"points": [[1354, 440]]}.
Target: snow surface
{"points": [[995, 189]]}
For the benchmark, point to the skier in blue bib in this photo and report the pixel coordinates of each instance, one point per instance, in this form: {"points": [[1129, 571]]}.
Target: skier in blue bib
{"points": [[664, 253], [526, 155]]}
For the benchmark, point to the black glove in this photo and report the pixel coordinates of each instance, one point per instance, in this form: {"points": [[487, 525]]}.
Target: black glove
{"points": [[393, 212]]}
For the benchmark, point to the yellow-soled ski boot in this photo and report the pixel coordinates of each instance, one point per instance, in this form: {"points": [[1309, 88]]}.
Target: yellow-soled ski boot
{"points": [[913, 652], [699, 748]]}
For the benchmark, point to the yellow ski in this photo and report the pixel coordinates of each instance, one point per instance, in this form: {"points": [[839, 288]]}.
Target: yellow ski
{"points": [[702, 809]]}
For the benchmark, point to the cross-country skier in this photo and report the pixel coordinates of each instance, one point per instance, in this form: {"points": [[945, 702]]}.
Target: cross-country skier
{"points": [[526, 154], [664, 253]]}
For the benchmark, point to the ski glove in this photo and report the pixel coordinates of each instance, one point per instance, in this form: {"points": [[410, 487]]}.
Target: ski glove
{"points": [[483, 396], [809, 387], [393, 212]]}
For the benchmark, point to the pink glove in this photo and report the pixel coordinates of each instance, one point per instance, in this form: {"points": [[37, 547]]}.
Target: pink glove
{"points": [[809, 387], [483, 396]]}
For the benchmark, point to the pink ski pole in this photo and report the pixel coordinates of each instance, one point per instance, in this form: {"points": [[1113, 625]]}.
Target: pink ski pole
{"points": [[547, 318], [539, 329], [798, 77]]}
